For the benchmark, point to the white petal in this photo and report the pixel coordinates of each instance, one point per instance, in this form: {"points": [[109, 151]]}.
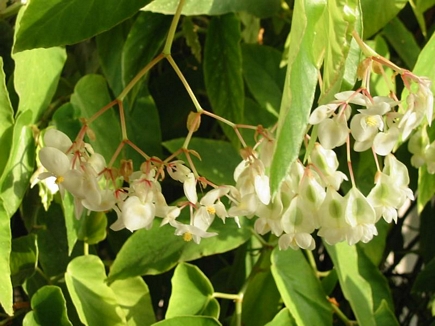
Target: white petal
{"points": [[189, 187], [54, 160], [262, 188], [57, 139]]}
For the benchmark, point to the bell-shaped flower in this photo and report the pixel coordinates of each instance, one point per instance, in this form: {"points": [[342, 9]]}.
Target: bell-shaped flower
{"points": [[210, 204], [189, 186], [269, 217], [298, 222], [418, 145], [399, 173], [322, 113], [385, 197], [178, 171], [135, 215], [57, 139], [333, 132], [190, 232], [384, 142]]}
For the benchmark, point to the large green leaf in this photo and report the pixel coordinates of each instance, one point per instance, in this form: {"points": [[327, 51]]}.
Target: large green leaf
{"points": [[376, 14], [300, 289], [94, 300], [48, 308], [24, 258], [299, 88], [403, 41], [213, 153], [90, 95], [223, 71], [189, 320], [5, 270], [189, 282], [419, 7], [6, 119], [157, 250], [362, 283], [216, 7], [260, 285], [263, 75], [283, 318], [133, 296], [57, 22]]}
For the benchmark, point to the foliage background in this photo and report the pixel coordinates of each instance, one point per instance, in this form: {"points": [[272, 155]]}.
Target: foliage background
{"points": [[63, 60]]}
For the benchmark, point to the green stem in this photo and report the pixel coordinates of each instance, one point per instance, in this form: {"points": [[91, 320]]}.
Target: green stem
{"points": [[172, 29], [342, 316], [85, 248], [185, 83]]}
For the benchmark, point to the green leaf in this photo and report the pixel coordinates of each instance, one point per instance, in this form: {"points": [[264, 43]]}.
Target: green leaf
{"points": [[189, 282], [402, 41], [66, 119], [283, 318], [362, 283], [5, 270], [56, 22], [300, 289], [376, 14], [72, 224], [213, 153], [190, 31], [425, 281], [260, 285], [263, 75], [384, 315], [162, 250], [94, 300], [145, 39], [36, 77], [223, 71], [6, 119], [340, 20], [299, 88], [92, 227], [24, 258], [14, 181], [90, 95], [48, 308], [189, 320], [133, 296], [419, 7], [213, 7]]}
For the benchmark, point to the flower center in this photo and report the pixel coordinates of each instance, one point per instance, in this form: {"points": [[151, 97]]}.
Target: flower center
{"points": [[371, 121], [59, 180], [187, 236], [211, 210]]}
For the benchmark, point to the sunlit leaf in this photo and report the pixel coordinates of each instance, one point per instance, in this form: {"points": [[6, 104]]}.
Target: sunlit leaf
{"points": [[213, 7], [5, 270], [133, 296], [6, 119], [189, 281], [299, 88], [48, 308], [305, 299], [189, 320], [362, 283], [283, 318], [223, 71], [94, 300], [57, 22]]}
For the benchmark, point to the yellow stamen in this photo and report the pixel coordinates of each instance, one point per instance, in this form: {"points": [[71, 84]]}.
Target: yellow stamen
{"points": [[187, 236], [59, 180], [371, 121], [211, 210]]}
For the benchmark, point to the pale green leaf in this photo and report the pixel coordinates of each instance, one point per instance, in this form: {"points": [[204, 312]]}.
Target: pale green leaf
{"points": [[299, 88], [5, 270], [94, 300], [6, 119], [283, 318], [189, 282], [133, 296], [48, 308], [56, 22], [420, 7], [93, 227], [216, 7], [223, 71], [190, 31], [305, 299], [362, 283]]}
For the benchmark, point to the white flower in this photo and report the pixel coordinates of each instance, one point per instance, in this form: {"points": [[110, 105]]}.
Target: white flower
{"points": [[189, 186], [190, 232]]}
